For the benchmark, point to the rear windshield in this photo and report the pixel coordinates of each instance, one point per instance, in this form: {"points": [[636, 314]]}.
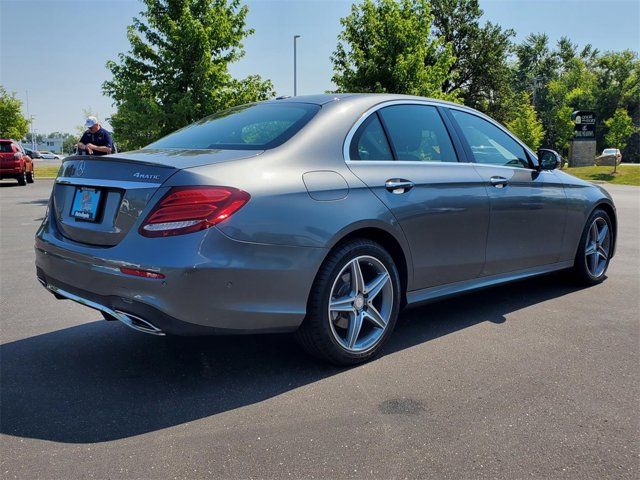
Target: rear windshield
{"points": [[5, 147], [249, 127]]}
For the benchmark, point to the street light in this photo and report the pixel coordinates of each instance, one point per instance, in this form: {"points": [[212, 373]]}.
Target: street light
{"points": [[295, 65]]}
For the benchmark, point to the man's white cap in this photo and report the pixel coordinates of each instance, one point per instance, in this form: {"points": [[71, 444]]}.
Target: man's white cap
{"points": [[91, 121]]}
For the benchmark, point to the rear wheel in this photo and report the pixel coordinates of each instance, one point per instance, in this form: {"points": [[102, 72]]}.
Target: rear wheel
{"points": [[22, 178], [353, 306], [30, 176], [594, 252]]}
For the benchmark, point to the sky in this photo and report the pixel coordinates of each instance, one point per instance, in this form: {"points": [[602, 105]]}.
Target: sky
{"points": [[56, 50]]}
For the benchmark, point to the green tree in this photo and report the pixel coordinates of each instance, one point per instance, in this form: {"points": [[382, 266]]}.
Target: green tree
{"points": [[481, 70], [618, 86], [13, 124], [176, 70], [572, 89], [525, 124], [620, 128], [69, 143], [387, 46]]}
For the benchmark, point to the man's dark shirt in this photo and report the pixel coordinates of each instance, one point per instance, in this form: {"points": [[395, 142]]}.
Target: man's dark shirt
{"points": [[101, 138]]}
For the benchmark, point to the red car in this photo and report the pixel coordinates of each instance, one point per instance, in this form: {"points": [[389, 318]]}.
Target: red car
{"points": [[14, 163]]}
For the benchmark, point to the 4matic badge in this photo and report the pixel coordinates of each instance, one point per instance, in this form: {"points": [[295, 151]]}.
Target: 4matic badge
{"points": [[146, 176]]}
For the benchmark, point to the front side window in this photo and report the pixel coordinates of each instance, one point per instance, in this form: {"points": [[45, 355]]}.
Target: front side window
{"points": [[417, 133], [370, 141], [489, 144], [250, 127]]}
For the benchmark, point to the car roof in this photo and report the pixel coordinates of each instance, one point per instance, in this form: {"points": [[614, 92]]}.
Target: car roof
{"points": [[325, 98]]}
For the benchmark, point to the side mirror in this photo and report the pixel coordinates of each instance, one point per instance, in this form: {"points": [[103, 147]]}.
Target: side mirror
{"points": [[549, 159]]}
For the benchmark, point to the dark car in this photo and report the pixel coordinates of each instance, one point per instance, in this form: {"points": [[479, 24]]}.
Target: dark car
{"points": [[32, 153]]}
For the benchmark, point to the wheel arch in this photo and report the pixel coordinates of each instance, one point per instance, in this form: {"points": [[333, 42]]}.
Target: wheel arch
{"points": [[611, 211], [399, 253]]}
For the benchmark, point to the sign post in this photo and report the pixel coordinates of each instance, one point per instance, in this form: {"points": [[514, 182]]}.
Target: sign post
{"points": [[582, 151]]}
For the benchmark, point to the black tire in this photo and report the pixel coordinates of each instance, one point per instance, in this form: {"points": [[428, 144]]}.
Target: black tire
{"points": [[315, 334], [31, 177], [22, 179], [581, 271]]}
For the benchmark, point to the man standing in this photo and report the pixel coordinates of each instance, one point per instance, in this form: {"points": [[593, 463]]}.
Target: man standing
{"points": [[96, 140]]}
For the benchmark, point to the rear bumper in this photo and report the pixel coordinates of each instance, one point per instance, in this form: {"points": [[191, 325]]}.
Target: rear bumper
{"points": [[212, 284], [10, 172]]}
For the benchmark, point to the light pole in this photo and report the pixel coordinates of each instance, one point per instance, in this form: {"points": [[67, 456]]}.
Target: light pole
{"points": [[33, 144], [295, 65]]}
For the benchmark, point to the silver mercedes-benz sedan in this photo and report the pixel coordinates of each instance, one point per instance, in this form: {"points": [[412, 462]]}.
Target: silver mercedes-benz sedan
{"points": [[324, 215]]}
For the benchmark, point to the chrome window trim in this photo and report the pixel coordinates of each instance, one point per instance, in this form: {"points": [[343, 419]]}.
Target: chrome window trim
{"points": [[99, 182], [371, 111], [481, 115], [430, 103]]}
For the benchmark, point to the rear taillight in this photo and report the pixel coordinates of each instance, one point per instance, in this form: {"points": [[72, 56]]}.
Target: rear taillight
{"points": [[190, 209]]}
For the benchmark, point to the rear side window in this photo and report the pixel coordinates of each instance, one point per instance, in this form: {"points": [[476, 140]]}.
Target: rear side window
{"points": [[5, 147], [249, 127], [489, 144], [370, 141], [417, 133]]}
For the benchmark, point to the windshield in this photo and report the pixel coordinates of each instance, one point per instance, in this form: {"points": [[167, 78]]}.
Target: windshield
{"points": [[249, 127], [609, 151]]}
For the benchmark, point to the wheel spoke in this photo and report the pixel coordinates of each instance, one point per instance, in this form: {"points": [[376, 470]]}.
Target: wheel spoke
{"points": [[602, 234], [594, 232], [372, 314], [594, 263], [355, 325], [591, 249], [342, 304], [376, 285], [602, 253], [357, 281]]}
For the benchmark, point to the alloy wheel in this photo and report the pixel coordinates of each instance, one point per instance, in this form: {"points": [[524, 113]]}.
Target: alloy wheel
{"points": [[596, 252], [360, 304]]}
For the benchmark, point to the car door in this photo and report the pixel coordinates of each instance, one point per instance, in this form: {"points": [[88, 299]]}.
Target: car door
{"points": [[528, 206], [405, 154]]}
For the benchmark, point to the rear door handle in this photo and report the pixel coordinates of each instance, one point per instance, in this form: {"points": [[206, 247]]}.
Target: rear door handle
{"points": [[499, 182], [398, 185]]}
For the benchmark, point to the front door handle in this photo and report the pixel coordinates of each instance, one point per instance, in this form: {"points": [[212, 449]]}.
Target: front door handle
{"points": [[499, 182], [398, 185]]}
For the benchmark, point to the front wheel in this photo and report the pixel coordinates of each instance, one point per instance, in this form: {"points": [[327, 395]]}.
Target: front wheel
{"points": [[596, 246], [354, 303], [30, 176], [22, 179]]}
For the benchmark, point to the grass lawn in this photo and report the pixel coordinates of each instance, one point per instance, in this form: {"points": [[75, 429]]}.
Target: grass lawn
{"points": [[626, 174], [46, 171]]}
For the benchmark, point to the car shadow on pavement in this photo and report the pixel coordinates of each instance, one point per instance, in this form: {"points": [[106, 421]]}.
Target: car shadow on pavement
{"points": [[98, 381]]}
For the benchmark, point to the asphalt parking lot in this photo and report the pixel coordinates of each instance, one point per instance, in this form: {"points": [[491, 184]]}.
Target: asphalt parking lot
{"points": [[538, 379]]}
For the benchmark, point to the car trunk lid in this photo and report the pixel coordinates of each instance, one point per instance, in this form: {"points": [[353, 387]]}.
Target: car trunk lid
{"points": [[97, 200]]}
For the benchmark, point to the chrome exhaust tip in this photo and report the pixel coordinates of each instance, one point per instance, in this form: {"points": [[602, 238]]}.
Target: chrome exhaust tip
{"points": [[137, 323], [130, 320]]}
